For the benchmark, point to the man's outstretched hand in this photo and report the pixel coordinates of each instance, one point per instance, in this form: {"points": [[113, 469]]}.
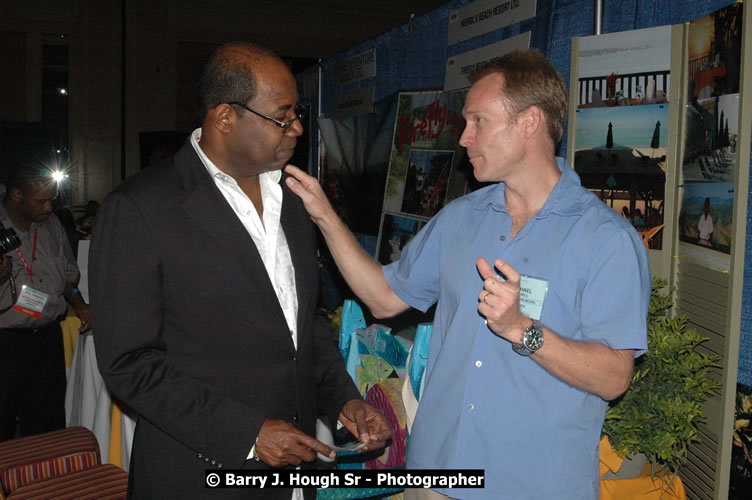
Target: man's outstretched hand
{"points": [[309, 190], [280, 444], [366, 423]]}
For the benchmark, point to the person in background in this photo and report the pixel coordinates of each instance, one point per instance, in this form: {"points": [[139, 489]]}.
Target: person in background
{"points": [[36, 280], [65, 216], [542, 295], [638, 218], [85, 223], [204, 287], [705, 226]]}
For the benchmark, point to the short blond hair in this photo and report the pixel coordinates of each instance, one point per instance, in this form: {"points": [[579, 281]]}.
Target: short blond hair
{"points": [[529, 79]]}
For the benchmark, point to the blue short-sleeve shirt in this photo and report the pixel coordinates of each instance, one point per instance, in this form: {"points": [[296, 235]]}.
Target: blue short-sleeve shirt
{"points": [[483, 405]]}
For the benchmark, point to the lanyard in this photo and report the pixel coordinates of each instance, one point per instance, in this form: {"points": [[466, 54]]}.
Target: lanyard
{"points": [[33, 253]]}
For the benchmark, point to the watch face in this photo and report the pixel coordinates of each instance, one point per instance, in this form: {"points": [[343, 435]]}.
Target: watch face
{"points": [[533, 338]]}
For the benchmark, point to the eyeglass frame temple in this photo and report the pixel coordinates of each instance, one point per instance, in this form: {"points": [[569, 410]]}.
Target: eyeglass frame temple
{"points": [[283, 125]]}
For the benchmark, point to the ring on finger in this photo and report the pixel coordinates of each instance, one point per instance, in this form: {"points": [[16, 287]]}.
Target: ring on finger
{"points": [[485, 297]]}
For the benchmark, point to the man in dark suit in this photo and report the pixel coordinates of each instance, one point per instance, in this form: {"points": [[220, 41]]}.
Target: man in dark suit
{"points": [[204, 288]]}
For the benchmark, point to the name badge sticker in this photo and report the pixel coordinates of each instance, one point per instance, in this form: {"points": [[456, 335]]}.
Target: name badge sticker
{"points": [[532, 294], [31, 302]]}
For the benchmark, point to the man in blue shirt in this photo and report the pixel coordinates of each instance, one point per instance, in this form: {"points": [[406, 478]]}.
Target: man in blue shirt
{"points": [[542, 295]]}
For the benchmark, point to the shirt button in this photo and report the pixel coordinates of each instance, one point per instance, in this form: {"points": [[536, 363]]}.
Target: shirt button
{"points": [[479, 363], [470, 406], [503, 237]]}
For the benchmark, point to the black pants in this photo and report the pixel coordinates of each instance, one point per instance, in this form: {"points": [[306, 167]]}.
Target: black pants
{"points": [[32, 381]]}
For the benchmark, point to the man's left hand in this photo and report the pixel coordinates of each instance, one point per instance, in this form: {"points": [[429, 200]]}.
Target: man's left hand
{"points": [[366, 423], [84, 314], [499, 301]]}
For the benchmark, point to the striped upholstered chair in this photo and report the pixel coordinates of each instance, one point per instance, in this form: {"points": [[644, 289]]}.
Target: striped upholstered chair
{"points": [[33, 458], [101, 482]]}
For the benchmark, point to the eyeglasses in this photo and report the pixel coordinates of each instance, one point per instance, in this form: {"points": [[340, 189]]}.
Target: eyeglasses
{"points": [[300, 112]]}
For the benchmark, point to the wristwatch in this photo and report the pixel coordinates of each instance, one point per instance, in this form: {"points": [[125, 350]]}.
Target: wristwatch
{"points": [[532, 340]]}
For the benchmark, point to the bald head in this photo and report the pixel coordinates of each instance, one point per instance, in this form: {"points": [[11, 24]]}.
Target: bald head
{"points": [[228, 75]]}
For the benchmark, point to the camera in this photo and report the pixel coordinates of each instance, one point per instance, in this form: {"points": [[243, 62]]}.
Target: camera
{"points": [[8, 240]]}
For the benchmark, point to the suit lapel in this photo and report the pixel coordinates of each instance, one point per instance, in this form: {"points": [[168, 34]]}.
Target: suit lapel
{"points": [[206, 205], [300, 250]]}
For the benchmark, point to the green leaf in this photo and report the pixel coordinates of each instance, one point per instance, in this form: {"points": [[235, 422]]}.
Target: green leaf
{"points": [[660, 412]]}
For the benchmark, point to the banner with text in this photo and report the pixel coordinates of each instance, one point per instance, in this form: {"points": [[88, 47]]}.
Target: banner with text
{"points": [[355, 68], [484, 16], [460, 67], [357, 102]]}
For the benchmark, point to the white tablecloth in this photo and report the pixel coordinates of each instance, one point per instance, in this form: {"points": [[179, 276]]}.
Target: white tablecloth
{"points": [[87, 400], [88, 403]]}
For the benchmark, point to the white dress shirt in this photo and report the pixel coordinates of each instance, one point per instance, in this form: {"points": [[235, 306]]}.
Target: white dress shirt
{"points": [[267, 235]]}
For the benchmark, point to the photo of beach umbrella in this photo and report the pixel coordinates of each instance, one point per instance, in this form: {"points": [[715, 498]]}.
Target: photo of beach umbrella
{"points": [[620, 155], [655, 143]]}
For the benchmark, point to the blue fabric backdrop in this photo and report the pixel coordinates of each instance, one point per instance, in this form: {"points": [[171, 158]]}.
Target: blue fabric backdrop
{"points": [[413, 56]]}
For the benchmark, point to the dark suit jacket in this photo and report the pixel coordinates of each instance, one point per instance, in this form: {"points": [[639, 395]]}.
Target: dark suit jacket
{"points": [[190, 334]]}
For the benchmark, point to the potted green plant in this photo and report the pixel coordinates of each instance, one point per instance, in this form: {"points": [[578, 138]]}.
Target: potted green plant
{"points": [[741, 453], [659, 414]]}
